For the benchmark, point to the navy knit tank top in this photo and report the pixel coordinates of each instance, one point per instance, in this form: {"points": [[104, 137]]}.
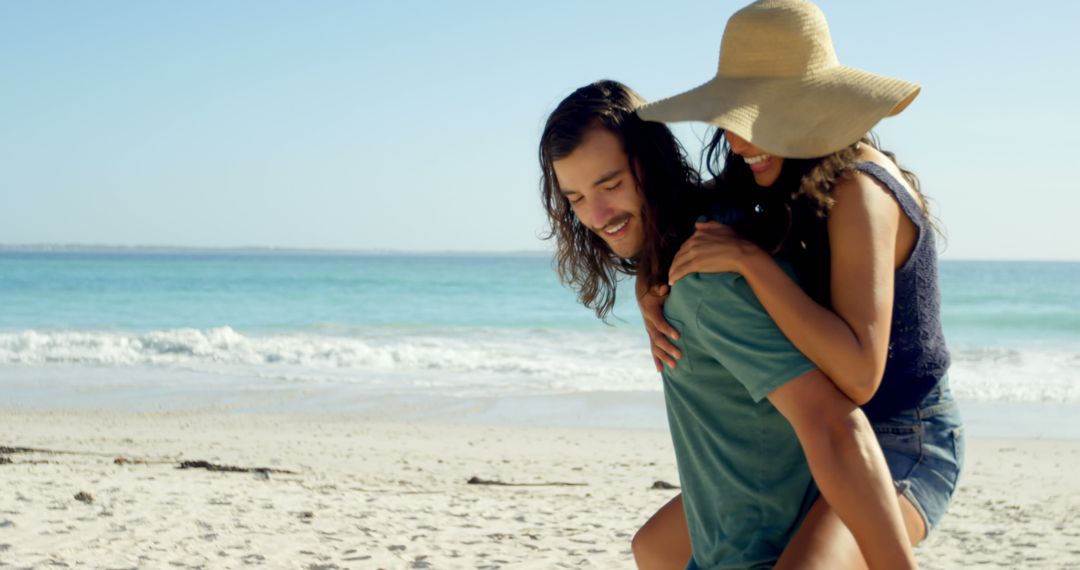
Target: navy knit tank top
{"points": [[918, 358]]}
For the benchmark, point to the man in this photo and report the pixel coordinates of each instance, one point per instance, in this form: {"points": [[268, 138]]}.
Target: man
{"points": [[743, 404]]}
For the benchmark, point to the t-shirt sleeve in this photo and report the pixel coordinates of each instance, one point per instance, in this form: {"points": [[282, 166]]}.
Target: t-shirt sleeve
{"points": [[740, 334]]}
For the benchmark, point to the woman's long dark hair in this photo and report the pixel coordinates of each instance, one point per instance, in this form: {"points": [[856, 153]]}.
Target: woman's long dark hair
{"points": [[670, 187], [805, 188]]}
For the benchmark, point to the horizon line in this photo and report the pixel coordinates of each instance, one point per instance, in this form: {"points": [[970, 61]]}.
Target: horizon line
{"points": [[147, 248], [268, 250]]}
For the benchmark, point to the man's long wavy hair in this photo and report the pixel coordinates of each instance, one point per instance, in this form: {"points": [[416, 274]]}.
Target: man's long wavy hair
{"points": [[661, 172], [805, 187]]}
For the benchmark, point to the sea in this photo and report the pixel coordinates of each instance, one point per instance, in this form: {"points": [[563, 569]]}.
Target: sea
{"points": [[138, 327]]}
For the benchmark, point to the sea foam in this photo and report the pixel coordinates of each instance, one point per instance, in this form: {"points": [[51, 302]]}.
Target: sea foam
{"points": [[480, 359], [473, 361]]}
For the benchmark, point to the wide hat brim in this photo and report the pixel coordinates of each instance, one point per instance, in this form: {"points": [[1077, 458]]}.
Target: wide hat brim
{"points": [[795, 117]]}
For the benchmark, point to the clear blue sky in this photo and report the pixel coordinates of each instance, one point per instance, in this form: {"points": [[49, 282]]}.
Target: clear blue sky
{"points": [[413, 125]]}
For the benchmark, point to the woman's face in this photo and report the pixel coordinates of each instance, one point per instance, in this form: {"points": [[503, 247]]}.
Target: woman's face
{"points": [[765, 167]]}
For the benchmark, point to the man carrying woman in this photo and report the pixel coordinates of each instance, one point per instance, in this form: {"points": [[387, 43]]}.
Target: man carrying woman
{"points": [[744, 402]]}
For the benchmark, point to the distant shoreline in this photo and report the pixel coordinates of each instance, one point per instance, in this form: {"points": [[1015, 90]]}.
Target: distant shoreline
{"points": [[331, 252]]}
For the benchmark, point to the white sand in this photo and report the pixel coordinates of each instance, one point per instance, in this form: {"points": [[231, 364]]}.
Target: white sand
{"points": [[395, 495]]}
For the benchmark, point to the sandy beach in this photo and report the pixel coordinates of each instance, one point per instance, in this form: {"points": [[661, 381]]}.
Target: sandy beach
{"points": [[105, 490]]}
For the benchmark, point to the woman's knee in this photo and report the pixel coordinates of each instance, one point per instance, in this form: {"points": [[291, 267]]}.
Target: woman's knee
{"points": [[647, 545], [641, 547], [663, 542]]}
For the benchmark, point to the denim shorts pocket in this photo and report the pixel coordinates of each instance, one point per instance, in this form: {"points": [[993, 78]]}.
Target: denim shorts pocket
{"points": [[902, 445], [934, 482], [943, 447]]}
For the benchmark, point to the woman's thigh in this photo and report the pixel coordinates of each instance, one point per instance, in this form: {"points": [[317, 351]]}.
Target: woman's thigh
{"points": [[663, 542], [824, 541]]}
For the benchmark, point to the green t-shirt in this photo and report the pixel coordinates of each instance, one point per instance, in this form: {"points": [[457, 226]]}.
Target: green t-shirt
{"points": [[745, 482]]}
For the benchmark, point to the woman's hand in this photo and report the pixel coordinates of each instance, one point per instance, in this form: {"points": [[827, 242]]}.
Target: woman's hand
{"points": [[651, 303], [714, 248]]}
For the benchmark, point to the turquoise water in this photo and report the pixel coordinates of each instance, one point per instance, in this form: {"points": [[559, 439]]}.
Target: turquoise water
{"points": [[279, 292], [456, 324], [1011, 303]]}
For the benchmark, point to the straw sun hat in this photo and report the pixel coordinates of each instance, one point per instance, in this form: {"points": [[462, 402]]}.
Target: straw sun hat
{"points": [[780, 86]]}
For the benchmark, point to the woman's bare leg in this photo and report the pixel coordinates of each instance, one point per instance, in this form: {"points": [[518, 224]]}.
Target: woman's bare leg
{"points": [[916, 528], [823, 541], [663, 542]]}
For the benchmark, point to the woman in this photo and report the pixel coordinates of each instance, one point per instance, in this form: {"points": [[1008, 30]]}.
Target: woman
{"points": [[793, 135]]}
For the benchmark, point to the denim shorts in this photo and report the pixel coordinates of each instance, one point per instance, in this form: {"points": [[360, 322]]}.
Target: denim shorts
{"points": [[924, 448]]}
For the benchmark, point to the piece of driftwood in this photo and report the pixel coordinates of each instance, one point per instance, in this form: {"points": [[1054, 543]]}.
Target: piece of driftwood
{"points": [[478, 481], [230, 468], [4, 450]]}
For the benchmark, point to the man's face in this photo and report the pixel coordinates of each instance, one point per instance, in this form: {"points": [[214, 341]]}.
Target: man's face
{"points": [[597, 180]]}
